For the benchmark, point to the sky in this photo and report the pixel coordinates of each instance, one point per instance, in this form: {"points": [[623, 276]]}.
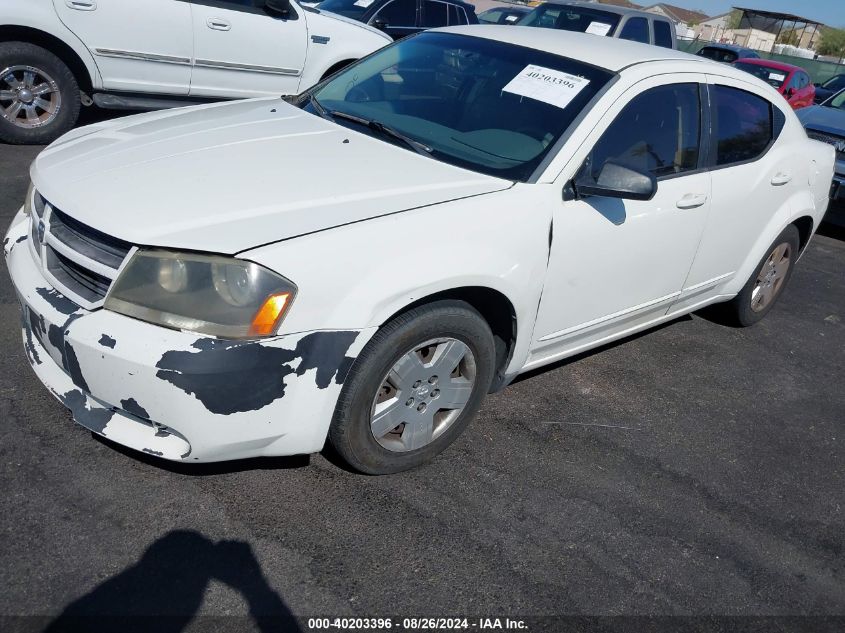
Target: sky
{"points": [[830, 12]]}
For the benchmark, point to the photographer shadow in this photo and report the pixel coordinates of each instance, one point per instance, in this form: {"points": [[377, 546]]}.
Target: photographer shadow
{"points": [[163, 591]]}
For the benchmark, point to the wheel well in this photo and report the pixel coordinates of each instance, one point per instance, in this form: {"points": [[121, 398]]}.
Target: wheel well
{"points": [[336, 67], [495, 308], [52, 44], [805, 230]]}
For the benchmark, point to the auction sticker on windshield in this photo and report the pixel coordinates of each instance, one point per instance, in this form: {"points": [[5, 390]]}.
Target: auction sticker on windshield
{"points": [[544, 84], [598, 28], [777, 76]]}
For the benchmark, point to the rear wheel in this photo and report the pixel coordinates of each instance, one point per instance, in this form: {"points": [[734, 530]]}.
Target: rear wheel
{"points": [[766, 284], [39, 96], [414, 388]]}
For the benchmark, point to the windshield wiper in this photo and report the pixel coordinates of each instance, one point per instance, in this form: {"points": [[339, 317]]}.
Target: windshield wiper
{"points": [[381, 128], [318, 107]]}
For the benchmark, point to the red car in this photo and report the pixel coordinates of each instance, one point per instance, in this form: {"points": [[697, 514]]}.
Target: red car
{"points": [[791, 81]]}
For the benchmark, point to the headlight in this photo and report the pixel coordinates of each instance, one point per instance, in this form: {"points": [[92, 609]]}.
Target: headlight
{"points": [[27, 204], [33, 202], [220, 296]]}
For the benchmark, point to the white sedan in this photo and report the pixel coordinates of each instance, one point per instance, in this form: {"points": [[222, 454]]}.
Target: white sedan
{"points": [[363, 264]]}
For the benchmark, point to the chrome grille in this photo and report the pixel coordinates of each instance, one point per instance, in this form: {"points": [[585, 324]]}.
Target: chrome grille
{"points": [[831, 139], [89, 285], [79, 260], [87, 241]]}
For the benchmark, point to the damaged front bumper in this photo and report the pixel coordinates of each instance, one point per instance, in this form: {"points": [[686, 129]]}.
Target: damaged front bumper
{"points": [[178, 395]]}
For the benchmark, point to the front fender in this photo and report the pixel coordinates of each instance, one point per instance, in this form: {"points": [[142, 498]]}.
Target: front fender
{"points": [[333, 39], [366, 272]]}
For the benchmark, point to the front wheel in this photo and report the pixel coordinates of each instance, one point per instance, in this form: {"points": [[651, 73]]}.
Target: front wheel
{"points": [[766, 284], [414, 388], [39, 96]]}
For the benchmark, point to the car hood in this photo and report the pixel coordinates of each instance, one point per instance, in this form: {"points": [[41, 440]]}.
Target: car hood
{"points": [[229, 177], [830, 120]]}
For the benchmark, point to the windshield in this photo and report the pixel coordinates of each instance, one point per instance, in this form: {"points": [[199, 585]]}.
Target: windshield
{"points": [[835, 83], [718, 54], [566, 18], [476, 103], [775, 77], [348, 8], [836, 101]]}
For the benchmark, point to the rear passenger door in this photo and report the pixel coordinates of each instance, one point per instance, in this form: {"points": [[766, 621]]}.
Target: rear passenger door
{"points": [[139, 45], [752, 177]]}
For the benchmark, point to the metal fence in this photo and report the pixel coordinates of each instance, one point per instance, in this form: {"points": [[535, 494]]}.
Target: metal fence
{"points": [[819, 71]]}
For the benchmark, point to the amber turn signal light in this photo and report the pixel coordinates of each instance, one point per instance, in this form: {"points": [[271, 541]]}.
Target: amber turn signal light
{"points": [[269, 314]]}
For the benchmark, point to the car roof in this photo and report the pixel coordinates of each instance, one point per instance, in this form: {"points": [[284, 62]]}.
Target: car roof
{"points": [[509, 9], [610, 8], [605, 52], [770, 63]]}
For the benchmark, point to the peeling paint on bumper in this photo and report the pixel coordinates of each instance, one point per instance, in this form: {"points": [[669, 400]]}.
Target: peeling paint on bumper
{"points": [[178, 395]]}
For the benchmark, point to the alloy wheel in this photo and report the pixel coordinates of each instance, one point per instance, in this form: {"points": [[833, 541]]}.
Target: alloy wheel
{"points": [[29, 97]]}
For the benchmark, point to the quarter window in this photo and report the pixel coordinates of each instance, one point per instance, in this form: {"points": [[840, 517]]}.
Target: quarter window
{"points": [[398, 13], [658, 132], [745, 125], [635, 29], [662, 34]]}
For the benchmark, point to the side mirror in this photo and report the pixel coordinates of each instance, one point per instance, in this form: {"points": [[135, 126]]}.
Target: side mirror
{"points": [[618, 181], [277, 7], [790, 92]]}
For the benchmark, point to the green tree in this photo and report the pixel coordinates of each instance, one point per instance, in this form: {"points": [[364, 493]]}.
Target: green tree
{"points": [[734, 19], [832, 42]]}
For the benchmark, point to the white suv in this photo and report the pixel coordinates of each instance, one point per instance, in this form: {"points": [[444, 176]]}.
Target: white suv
{"points": [[56, 55]]}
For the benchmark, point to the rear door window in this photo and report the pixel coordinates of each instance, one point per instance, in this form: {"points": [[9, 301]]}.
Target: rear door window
{"points": [[399, 13], [636, 30], [745, 125], [435, 14]]}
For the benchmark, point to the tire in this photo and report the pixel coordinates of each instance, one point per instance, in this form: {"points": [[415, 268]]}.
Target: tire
{"points": [[415, 392], [54, 112], [766, 284]]}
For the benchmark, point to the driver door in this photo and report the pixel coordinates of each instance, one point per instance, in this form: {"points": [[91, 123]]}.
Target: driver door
{"points": [[617, 264]]}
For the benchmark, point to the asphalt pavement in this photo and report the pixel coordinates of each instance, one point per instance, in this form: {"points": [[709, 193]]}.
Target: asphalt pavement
{"points": [[696, 469]]}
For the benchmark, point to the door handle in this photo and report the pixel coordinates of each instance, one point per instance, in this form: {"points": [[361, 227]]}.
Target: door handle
{"points": [[781, 178], [691, 201], [81, 5], [219, 24]]}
